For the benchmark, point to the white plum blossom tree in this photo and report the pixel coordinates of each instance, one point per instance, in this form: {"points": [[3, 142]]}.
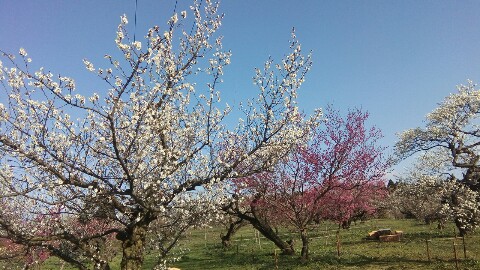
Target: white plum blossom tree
{"points": [[452, 132], [461, 204], [131, 159], [419, 191]]}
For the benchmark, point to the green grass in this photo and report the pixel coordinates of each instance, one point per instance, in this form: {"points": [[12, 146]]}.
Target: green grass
{"points": [[205, 252], [356, 253]]}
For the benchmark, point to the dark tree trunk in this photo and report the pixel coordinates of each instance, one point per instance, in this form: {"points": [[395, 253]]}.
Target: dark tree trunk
{"points": [[103, 266], [133, 245], [346, 224], [304, 237], [266, 230], [461, 230], [441, 225], [233, 227], [262, 225]]}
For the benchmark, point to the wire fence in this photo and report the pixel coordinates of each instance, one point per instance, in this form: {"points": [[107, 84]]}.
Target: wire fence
{"points": [[451, 249]]}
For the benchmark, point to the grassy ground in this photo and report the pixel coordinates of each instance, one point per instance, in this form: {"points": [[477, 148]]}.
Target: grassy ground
{"points": [[202, 250], [355, 253]]}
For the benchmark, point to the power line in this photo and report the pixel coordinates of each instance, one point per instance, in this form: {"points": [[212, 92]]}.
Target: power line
{"points": [[135, 27]]}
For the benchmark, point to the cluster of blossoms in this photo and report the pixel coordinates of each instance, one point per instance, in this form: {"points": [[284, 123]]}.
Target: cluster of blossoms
{"points": [[462, 205]]}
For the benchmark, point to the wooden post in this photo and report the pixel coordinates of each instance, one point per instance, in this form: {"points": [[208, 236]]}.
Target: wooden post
{"points": [[338, 244], [237, 248], [253, 254], [464, 247], [206, 237], [326, 235], [428, 249], [455, 255], [257, 239], [275, 258]]}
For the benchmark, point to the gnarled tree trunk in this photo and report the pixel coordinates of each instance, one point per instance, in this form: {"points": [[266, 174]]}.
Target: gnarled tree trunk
{"points": [[304, 237], [133, 245], [262, 225], [266, 230], [103, 266], [233, 227]]}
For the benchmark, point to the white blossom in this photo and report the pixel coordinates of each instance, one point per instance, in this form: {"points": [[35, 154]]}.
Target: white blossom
{"points": [[22, 52], [88, 65]]}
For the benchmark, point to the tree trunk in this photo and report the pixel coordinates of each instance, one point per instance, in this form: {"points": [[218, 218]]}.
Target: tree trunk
{"points": [[102, 266], [232, 229], [304, 237], [460, 227], [262, 225], [133, 244], [266, 230], [269, 233], [346, 224]]}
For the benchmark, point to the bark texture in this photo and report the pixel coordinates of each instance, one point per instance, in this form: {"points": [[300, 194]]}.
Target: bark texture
{"points": [[133, 246]]}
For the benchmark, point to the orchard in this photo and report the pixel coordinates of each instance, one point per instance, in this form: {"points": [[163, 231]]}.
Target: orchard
{"points": [[122, 177]]}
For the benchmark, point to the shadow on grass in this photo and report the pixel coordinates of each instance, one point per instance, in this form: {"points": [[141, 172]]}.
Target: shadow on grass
{"points": [[228, 260]]}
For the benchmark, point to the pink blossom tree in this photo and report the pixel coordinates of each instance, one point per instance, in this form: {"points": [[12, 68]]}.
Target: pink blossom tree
{"points": [[78, 241], [343, 166], [348, 203]]}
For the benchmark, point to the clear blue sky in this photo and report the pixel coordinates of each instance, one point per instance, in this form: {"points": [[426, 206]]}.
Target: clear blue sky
{"points": [[396, 59]]}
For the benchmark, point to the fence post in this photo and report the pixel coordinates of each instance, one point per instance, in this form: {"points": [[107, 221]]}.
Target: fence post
{"points": [[464, 247], [253, 254], [326, 235], [206, 237], [455, 254], [428, 250], [338, 244], [275, 258], [258, 237]]}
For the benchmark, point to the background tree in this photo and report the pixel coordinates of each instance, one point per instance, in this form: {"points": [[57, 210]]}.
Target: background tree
{"points": [[350, 203], [129, 155], [419, 193], [453, 127]]}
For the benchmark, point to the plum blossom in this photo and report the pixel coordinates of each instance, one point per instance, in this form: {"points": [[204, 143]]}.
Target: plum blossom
{"points": [[102, 175], [22, 52]]}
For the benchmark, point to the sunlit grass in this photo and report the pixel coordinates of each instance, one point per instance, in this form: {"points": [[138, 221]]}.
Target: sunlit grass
{"points": [[355, 252], [202, 249]]}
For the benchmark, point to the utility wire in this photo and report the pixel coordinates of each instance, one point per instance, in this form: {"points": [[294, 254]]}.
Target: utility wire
{"points": [[135, 28]]}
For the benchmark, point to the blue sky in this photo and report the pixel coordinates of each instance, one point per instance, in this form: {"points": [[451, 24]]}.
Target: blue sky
{"points": [[396, 59]]}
